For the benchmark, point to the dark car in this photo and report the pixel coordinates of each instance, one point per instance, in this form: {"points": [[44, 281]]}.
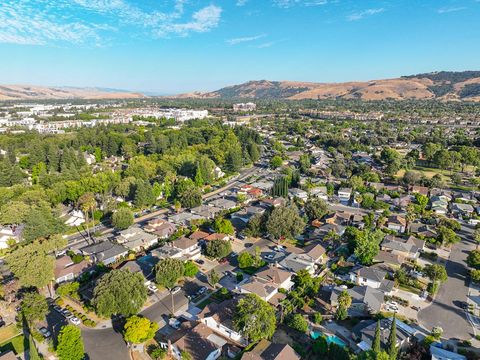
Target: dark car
{"points": [[200, 261], [2, 322]]}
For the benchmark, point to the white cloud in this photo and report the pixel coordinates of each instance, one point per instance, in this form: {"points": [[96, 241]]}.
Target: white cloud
{"points": [[240, 40], [446, 10], [41, 22], [362, 14], [202, 21], [289, 3], [241, 2]]}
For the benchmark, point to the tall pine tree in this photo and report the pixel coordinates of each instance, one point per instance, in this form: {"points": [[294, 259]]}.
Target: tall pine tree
{"points": [[392, 340], [376, 340]]}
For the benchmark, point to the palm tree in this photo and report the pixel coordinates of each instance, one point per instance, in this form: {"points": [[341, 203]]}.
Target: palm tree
{"points": [[87, 203]]}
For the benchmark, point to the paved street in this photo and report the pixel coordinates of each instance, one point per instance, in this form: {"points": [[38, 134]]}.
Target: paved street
{"points": [[446, 310], [159, 311]]}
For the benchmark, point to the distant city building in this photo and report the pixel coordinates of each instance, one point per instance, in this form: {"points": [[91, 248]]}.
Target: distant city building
{"points": [[244, 106]]}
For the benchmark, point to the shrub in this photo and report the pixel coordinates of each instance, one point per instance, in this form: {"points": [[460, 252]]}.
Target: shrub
{"points": [[297, 322], [158, 353], [317, 318], [239, 276]]}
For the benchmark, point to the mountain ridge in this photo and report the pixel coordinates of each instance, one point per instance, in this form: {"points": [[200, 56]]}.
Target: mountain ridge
{"points": [[440, 85], [32, 92]]}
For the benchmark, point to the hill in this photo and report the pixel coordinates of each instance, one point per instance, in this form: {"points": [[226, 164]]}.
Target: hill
{"points": [[27, 92], [444, 85]]}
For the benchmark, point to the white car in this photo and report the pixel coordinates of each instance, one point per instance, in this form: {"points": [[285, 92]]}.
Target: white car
{"points": [[176, 289], [174, 323], [75, 321], [152, 288]]}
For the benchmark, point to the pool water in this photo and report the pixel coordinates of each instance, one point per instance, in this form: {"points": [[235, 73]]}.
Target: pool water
{"points": [[330, 339], [148, 260]]}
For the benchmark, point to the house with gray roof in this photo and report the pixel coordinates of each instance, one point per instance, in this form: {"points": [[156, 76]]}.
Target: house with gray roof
{"points": [[105, 252], [296, 262], [135, 239], [365, 300], [224, 204], [208, 212]]}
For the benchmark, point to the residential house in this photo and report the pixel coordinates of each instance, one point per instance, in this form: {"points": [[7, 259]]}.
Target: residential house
{"points": [[185, 218], [339, 218], [183, 248], [141, 267], [320, 192], [206, 211], [67, 270], [223, 204], [402, 202], [75, 218], [135, 239], [161, 228], [9, 234], [439, 204], [219, 318], [408, 248], [325, 229], [397, 223], [461, 210], [364, 333], [365, 300], [344, 194], [392, 261], [298, 193], [423, 190], [217, 236], [198, 235], [105, 252], [439, 353], [296, 262], [273, 202], [368, 276], [248, 212], [265, 350], [277, 276], [196, 339], [316, 252], [261, 287]]}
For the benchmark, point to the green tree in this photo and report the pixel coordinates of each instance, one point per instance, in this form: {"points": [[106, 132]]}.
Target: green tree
{"points": [[119, 292], [144, 195], [475, 275], [122, 218], [168, 271], [254, 318], [297, 322], [32, 264], [344, 301], [392, 340], [70, 344], [218, 249], [213, 278], [447, 236], [191, 198], [367, 245], [139, 329], [190, 268], [34, 306], [223, 226], [320, 346], [285, 222], [436, 272], [245, 260], [315, 208], [276, 162], [68, 289]]}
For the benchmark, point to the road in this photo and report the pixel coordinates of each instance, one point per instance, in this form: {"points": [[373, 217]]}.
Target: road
{"points": [[160, 311], [446, 310], [79, 240]]}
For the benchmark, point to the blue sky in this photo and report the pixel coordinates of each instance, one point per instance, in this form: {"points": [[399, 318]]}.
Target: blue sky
{"points": [[170, 46]]}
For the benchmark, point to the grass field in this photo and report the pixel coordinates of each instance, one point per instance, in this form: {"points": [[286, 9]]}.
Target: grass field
{"points": [[17, 345], [8, 332]]}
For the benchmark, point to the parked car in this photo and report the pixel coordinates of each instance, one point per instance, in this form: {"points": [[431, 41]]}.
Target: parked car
{"points": [[201, 290], [176, 289], [57, 309], [44, 331], [2, 322], [223, 261], [233, 254], [268, 256], [175, 323], [152, 288], [200, 261], [75, 321]]}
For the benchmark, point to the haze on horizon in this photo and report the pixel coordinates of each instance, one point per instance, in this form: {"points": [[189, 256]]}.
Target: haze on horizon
{"points": [[174, 46]]}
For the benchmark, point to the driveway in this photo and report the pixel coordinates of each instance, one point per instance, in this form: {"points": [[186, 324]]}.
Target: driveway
{"points": [[446, 310]]}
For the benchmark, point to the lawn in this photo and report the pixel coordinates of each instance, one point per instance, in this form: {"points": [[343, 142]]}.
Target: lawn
{"points": [[8, 332], [16, 345]]}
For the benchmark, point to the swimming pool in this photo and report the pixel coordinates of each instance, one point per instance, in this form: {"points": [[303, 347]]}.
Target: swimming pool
{"points": [[148, 260], [330, 338]]}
